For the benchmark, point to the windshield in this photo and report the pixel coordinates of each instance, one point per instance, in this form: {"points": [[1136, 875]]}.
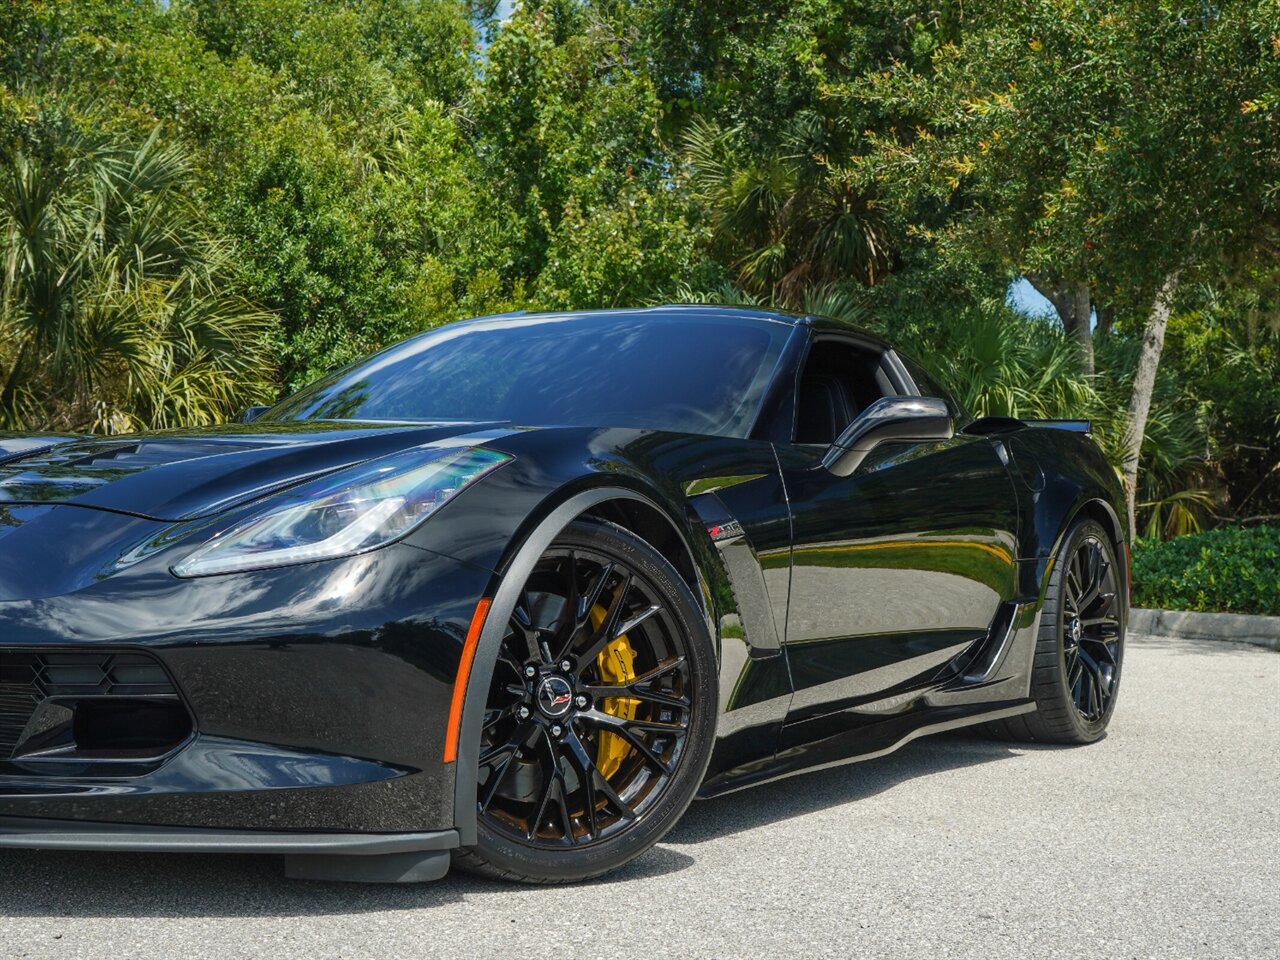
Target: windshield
{"points": [[686, 374]]}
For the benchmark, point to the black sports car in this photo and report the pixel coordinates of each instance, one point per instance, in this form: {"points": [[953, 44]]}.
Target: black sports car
{"points": [[515, 591]]}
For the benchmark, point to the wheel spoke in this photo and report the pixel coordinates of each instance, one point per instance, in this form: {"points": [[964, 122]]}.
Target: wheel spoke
{"points": [[1098, 570], [493, 717], [1072, 593], [641, 688], [1094, 668], [643, 680], [635, 621], [1073, 660], [511, 749], [549, 782], [581, 760], [495, 780], [605, 633], [1085, 700], [632, 692], [1075, 580], [1098, 685], [578, 750], [508, 661], [593, 597], [627, 730], [1077, 687], [1101, 645], [569, 615], [522, 626], [562, 801]]}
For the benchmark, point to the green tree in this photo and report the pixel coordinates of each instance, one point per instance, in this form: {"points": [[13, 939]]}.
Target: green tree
{"points": [[568, 137], [1119, 147], [790, 221], [111, 302]]}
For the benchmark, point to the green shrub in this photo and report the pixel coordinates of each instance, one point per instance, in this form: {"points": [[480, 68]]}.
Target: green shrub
{"points": [[1235, 570]]}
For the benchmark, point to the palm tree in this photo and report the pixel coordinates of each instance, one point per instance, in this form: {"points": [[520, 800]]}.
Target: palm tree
{"points": [[792, 220], [113, 313]]}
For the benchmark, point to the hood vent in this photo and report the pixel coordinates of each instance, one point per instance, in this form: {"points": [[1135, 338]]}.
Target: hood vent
{"points": [[151, 453]]}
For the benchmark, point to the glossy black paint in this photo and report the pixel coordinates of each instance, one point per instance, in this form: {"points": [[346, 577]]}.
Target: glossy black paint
{"points": [[849, 613]]}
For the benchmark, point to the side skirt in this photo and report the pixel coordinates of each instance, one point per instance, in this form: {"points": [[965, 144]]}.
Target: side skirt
{"points": [[859, 743]]}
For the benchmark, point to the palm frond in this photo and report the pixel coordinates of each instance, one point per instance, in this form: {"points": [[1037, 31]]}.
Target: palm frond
{"points": [[112, 300]]}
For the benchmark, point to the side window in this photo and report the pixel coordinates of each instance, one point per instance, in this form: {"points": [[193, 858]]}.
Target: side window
{"points": [[839, 380], [929, 387]]}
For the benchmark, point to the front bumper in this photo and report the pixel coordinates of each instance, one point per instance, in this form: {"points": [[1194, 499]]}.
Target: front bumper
{"points": [[318, 694], [366, 857]]}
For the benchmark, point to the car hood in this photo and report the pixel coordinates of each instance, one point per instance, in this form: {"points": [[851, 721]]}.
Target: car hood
{"points": [[184, 475]]}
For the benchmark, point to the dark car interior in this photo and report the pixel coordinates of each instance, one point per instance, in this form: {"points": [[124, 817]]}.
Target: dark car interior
{"points": [[839, 380]]}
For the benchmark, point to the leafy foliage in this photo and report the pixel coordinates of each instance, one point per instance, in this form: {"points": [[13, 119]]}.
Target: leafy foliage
{"points": [[791, 220], [113, 312], [1232, 570], [343, 174]]}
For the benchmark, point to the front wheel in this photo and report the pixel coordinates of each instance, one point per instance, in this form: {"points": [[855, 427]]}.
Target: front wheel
{"points": [[1081, 645], [600, 713]]}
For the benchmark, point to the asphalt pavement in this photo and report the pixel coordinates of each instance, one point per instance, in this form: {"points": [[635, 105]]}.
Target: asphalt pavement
{"points": [[1161, 841]]}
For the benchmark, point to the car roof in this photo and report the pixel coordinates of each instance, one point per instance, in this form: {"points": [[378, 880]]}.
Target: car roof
{"points": [[718, 311]]}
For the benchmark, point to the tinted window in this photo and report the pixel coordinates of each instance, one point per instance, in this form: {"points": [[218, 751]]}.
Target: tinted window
{"points": [[684, 374], [929, 387], [839, 382]]}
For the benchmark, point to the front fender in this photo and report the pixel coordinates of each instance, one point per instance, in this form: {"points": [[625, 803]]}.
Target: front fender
{"points": [[505, 594]]}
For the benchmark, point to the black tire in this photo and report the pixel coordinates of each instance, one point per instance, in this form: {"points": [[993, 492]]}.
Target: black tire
{"points": [[1076, 675], [551, 806]]}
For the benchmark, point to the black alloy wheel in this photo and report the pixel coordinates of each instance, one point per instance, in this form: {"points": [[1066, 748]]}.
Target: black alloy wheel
{"points": [[1080, 647], [1091, 629], [598, 723]]}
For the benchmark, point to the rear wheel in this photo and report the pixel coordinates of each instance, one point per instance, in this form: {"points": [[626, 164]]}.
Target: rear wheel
{"points": [[600, 712], [1081, 645]]}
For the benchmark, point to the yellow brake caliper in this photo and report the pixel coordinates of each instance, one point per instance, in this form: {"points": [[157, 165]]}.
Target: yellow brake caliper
{"points": [[617, 666]]}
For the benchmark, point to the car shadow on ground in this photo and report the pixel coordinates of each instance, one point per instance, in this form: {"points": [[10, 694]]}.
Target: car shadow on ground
{"points": [[823, 789], [69, 884]]}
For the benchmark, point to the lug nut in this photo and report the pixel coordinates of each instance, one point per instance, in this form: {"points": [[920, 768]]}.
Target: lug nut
{"points": [[581, 701], [523, 713], [530, 672], [565, 665], [556, 730]]}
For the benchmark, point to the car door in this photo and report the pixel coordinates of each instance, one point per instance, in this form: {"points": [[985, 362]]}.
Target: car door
{"points": [[898, 568]]}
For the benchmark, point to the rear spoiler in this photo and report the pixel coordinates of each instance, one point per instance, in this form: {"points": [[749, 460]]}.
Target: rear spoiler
{"points": [[988, 425]]}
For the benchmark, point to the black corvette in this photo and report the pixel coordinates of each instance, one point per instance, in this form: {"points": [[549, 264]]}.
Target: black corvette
{"points": [[512, 593]]}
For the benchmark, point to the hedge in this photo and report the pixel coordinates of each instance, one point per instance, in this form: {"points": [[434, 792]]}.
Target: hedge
{"points": [[1232, 570]]}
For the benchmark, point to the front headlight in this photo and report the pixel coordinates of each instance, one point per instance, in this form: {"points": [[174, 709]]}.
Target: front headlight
{"points": [[343, 514]]}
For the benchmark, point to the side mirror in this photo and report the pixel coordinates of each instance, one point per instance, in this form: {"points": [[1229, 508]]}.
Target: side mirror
{"points": [[253, 413], [888, 420]]}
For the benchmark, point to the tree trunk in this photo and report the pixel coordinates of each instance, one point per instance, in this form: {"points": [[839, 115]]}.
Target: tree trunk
{"points": [[1106, 322], [1075, 310], [1144, 383], [1079, 330]]}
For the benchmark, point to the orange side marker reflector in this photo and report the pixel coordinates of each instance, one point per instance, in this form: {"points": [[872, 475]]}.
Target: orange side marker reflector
{"points": [[454, 729]]}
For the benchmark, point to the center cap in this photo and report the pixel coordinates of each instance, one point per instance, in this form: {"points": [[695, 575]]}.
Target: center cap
{"points": [[1075, 630], [555, 696]]}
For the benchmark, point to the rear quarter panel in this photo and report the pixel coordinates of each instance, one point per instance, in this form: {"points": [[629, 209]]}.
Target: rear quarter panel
{"points": [[1060, 474]]}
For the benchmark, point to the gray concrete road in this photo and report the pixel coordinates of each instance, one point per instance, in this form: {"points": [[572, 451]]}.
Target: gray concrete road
{"points": [[1161, 841]]}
